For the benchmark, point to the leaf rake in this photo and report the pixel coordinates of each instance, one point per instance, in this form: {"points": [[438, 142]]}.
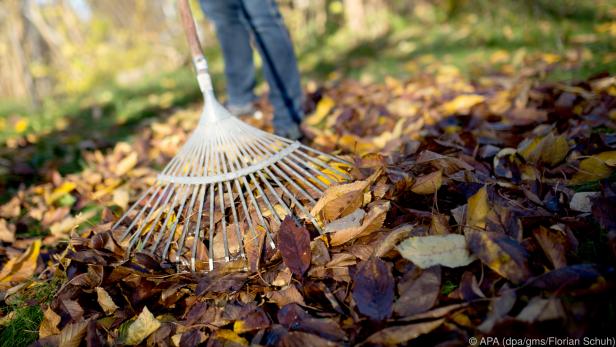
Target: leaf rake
{"points": [[229, 180]]}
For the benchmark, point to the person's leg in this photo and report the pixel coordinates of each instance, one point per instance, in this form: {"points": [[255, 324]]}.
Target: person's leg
{"points": [[234, 40], [280, 65]]}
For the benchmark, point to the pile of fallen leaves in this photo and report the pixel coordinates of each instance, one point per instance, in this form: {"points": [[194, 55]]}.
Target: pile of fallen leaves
{"points": [[477, 209]]}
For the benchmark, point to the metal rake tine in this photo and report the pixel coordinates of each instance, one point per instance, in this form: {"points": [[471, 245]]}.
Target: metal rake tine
{"points": [[137, 217], [253, 199], [287, 162], [153, 208], [291, 182], [193, 258], [227, 166], [235, 166], [186, 226], [203, 163], [289, 194], [324, 164], [269, 186], [193, 196], [261, 192], [163, 227], [175, 224], [221, 201], [297, 160], [135, 204], [197, 164], [211, 240]]}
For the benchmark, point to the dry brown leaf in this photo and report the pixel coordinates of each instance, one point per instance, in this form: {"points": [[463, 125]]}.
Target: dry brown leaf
{"points": [[7, 231], [142, 327], [352, 220], [49, 325], [594, 168], [372, 222], [21, 268], [126, 164], [428, 184], [338, 201], [105, 301], [392, 239], [477, 209], [72, 334], [461, 104]]}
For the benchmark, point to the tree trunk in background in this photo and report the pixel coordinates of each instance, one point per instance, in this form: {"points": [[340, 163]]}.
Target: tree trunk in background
{"points": [[355, 14]]}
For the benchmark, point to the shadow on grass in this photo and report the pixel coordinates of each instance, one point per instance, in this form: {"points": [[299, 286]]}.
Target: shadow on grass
{"points": [[90, 125]]}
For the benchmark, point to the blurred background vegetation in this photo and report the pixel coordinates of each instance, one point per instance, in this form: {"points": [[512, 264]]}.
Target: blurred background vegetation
{"points": [[102, 65]]}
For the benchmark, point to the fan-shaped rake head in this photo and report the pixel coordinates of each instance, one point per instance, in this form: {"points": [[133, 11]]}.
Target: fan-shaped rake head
{"points": [[229, 182]]}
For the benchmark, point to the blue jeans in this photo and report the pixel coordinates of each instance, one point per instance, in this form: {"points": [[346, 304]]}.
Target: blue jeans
{"points": [[239, 21]]}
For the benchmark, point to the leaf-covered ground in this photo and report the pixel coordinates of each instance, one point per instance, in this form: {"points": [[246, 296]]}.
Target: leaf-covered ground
{"points": [[483, 208]]}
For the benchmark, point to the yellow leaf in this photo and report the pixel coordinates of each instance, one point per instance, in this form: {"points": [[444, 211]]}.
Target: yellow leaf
{"points": [[142, 327], [21, 268], [428, 184], [549, 150], [7, 231], [323, 108], [426, 251], [21, 125], [120, 197], [231, 336], [609, 158], [105, 300], [595, 168], [126, 164], [461, 104], [49, 326], [477, 209], [59, 192]]}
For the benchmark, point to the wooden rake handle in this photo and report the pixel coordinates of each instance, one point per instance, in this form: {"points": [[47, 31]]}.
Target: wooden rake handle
{"points": [[188, 23]]}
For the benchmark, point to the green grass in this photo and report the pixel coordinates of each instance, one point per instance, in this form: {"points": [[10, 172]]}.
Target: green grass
{"points": [[22, 329], [468, 37]]}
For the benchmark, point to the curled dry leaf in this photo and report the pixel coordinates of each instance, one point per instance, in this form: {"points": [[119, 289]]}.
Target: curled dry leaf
{"points": [[338, 201], [372, 222], [428, 184], [500, 253], [477, 209], [426, 251], [105, 300], [391, 240], [554, 245], [20, 268]]}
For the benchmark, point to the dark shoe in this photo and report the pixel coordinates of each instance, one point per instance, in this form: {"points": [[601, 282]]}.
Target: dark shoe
{"points": [[242, 110], [292, 132]]}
